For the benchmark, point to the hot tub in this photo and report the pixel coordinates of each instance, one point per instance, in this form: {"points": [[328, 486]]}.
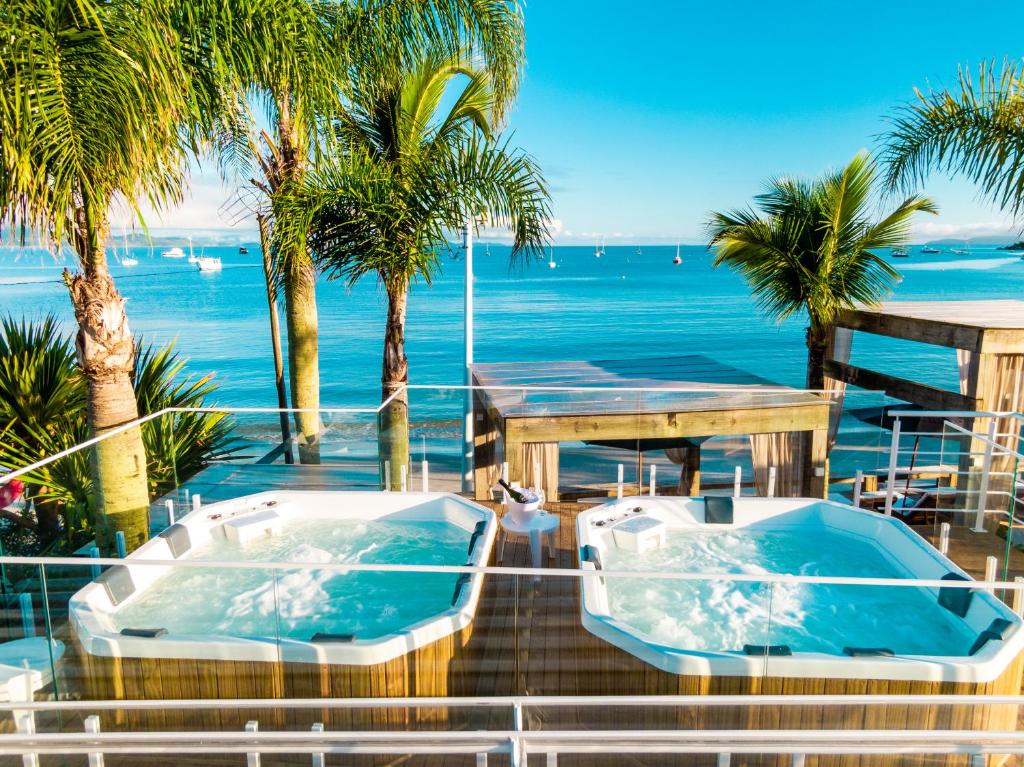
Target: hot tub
{"points": [[724, 628], [161, 631]]}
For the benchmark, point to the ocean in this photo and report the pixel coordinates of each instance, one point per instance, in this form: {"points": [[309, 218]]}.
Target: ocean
{"points": [[632, 302]]}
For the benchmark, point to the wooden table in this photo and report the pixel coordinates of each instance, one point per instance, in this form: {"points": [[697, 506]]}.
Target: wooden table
{"points": [[523, 410]]}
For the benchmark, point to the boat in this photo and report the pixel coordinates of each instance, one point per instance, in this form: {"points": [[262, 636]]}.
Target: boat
{"points": [[551, 259], [243, 251], [900, 253], [930, 249], [129, 261], [960, 251], [208, 263], [678, 259], [192, 257], [173, 253]]}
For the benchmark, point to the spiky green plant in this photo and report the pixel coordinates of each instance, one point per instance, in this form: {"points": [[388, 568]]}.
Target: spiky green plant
{"points": [[816, 247], [975, 130], [43, 410]]}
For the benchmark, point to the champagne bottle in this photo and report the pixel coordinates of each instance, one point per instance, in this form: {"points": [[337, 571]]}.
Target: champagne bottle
{"points": [[514, 494]]}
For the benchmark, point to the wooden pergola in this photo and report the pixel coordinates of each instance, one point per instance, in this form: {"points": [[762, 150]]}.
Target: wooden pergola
{"points": [[525, 409], [991, 333]]}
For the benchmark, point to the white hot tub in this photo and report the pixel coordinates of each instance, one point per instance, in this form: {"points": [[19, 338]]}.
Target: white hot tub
{"points": [[301, 614], [723, 627]]}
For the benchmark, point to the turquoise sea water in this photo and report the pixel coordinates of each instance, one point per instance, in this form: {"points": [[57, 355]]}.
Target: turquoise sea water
{"points": [[630, 303]]}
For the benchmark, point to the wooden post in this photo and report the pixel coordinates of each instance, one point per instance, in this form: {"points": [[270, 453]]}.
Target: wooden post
{"points": [[815, 479], [689, 470], [485, 452], [991, 563]]}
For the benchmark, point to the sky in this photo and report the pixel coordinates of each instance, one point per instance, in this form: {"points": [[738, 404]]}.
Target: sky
{"points": [[647, 115]]}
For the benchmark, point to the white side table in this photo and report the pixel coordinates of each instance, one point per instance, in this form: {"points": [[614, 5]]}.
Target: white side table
{"points": [[539, 525]]}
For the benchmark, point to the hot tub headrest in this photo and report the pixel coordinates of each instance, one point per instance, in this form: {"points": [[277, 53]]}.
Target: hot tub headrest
{"points": [[766, 649], [717, 510], [177, 539], [481, 527], [589, 553], [323, 636], [145, 633], [472, 542], [957, 601], [118, 583], [868, 652], [459, 585], [996, 630]]}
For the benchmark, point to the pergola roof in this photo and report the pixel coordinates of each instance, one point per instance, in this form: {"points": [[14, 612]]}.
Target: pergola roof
{"points": [[989, 326]]}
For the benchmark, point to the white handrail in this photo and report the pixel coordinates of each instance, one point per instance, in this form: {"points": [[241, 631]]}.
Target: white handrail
{"points": [[555, 572]]}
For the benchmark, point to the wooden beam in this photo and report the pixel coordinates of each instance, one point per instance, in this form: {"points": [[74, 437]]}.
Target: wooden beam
{"points": [[703, 423], [913, 329], [923, 395]]}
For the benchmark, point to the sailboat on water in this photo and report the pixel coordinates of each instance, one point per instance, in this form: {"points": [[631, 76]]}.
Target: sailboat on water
{"points": [[126, 259], [551, 258], [678, 259]]}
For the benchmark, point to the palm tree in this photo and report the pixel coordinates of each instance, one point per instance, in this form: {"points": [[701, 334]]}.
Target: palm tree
{"points": [[975, 130], [293, 57], [815, 247], [410, 172], [92, 95]]}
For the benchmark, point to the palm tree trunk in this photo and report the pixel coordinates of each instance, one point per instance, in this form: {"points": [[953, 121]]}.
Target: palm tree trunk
{"points": [[817, 343], [275, 338], [303, 354], [106, 354], [393, 434]]}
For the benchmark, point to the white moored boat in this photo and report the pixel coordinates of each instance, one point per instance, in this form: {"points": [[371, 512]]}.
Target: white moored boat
{"points": [[208, 264], [173, 253]]}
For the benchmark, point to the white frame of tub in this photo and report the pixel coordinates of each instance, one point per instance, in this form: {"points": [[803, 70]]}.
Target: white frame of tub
{"points": [[905, 549], [91, 608]]}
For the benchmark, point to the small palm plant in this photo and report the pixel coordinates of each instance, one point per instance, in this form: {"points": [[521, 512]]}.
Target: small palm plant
{"points": [[410, 171], [975, 130], [816, 247], [43, 410]]}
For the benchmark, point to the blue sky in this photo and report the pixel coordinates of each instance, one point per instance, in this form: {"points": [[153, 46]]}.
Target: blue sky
{"points": [[647, 115]]}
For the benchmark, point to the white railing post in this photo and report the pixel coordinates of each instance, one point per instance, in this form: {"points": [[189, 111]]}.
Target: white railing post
{"points": [[425, 478], [724, 760], [552, 760], [991, 564], [252, 758], [654, 482], [387, 476], [799, 760], [27, 726], [28, 616], [403, 478], [986, 468], [517, 758], [481, 759], [894, 455], [858, 487], [618, 482], [319, 760], [771, 481], [92, 726], [504, 470], [1018, 595], [944, 538], [197, 502], [737, 483], [169, 505]]}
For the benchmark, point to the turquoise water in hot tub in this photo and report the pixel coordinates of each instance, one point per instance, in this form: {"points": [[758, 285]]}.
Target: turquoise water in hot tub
{"points": [[724, 615], [298, 603]]}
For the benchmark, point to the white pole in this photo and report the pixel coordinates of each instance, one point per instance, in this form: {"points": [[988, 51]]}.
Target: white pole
{"points": [[724, 760], [858, 486], [654, 481], [737, 483], [169, 505], [894, 454], [991, 563], [403, 480], [771, 481], [798, 760], [481, 759], [252, 759], [387, 476], [197, 502], [426, 477], [618, 483], [467, 428], [1018, 595], [504, 470], [944, 538], [986, 468], [27, 726], [319, 760], [92, 726]]}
